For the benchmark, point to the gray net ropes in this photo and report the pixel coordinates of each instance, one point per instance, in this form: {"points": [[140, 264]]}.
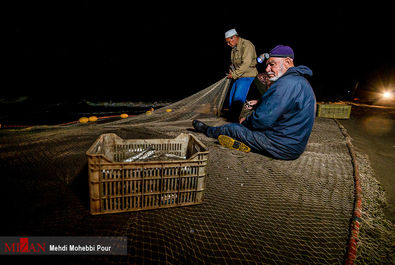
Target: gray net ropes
{"points": [[256, 209]]}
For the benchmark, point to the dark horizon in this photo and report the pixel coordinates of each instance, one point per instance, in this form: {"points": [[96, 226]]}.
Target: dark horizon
{"points": [[115, 52]]}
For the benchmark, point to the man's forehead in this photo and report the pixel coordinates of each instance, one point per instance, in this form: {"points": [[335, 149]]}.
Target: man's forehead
{"points": [[272, 60]]}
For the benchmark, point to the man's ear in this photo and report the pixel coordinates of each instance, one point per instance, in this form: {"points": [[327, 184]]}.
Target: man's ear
{"points": [[289, 61]]}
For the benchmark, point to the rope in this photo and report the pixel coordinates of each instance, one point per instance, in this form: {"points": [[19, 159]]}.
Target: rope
{"points": [[356, 219], [60, 124]]}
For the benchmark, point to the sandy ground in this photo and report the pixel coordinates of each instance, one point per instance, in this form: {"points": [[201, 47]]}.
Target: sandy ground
{"points": [[373, 132]]}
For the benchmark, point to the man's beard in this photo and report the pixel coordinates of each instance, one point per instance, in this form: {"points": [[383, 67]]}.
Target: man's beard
{"points": [[280, 73]]}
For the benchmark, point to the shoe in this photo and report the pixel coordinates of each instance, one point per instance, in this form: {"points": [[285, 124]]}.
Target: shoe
{"points": [[231, 143], [199, 126]]}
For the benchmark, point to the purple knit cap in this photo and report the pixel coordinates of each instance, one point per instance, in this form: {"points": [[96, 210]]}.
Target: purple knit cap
{"points": [[282, 51]]}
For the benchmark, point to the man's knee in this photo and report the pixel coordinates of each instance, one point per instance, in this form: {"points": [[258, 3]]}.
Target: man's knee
{"points": [[236, 130]]}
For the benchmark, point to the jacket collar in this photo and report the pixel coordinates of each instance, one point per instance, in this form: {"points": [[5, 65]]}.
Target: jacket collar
{"points": [[238, 45]]}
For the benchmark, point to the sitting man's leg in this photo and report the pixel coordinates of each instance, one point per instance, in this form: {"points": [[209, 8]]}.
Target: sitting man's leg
{"points": [[256, 140]]}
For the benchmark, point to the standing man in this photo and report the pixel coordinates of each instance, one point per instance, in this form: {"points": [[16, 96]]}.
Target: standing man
{"points": [[281, 124], [243, 70]]}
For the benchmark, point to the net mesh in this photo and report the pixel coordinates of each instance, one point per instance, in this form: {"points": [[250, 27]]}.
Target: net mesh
{"points": [[256, 209], [377, 233]]}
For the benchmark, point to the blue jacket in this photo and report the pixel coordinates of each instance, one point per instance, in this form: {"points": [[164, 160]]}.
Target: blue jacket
{"points": [[286, 114]]}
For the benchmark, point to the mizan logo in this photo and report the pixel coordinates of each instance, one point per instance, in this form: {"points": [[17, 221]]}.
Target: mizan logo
{"points": [[23, 246], [41, 245]]}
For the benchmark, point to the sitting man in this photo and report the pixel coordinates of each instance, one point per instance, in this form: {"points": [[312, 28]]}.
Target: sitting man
{"points": [[281, 124]]}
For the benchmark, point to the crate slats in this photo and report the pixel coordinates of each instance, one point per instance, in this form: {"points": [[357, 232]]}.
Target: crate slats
{"points": [[117, 186], [335, 111]]}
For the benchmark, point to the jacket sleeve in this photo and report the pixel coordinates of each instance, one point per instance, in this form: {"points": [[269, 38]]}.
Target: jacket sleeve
{"points": [[270, 110], [246, 60]]}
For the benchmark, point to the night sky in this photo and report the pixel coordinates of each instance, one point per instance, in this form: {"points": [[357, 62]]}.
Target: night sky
{"points": [[73, 50]]}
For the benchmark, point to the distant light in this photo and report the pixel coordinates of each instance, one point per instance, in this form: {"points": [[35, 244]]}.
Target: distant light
{"points": [[387, 94]]}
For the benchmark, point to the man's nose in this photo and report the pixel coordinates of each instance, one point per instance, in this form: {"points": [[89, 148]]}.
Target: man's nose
{"points": [[268, 69]]}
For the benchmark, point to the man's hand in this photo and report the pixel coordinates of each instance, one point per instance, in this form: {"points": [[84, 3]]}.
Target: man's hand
{"points": [[250, 104], [230, 74]]}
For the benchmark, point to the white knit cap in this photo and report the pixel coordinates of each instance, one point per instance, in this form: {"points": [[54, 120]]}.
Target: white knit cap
{"points": [[230, 33]]}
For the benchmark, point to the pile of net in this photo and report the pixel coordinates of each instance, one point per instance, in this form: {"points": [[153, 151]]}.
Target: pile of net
{"points": [[256, 209]]}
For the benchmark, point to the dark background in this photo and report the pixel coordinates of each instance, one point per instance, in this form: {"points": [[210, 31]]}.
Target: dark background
{"points": [[67, 51]]}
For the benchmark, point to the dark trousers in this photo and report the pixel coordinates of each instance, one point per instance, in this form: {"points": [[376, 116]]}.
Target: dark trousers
{"points": [[256, 140]]}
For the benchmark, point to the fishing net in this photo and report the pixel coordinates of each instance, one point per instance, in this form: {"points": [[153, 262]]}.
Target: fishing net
{"points": [[256, 209], [377, 233]]}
